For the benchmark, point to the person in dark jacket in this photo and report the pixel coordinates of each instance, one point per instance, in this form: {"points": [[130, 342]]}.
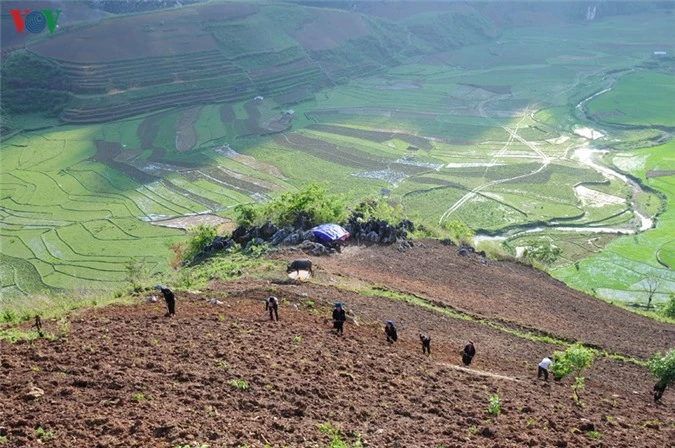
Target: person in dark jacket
{"points": [[390, 331], [170, 300], [426, 343], [272, 304], [339, 318], [468, 353], [659, 389]]}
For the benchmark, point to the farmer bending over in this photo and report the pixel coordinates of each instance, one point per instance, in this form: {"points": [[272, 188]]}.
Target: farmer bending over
{"points": [[468, 353], [426, 343], [170, 300], [272, 304], [659, 389], [543, 368]]}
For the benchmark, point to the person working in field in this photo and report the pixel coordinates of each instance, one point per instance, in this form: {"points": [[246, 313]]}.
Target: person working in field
{"points": [[390, 331], [659, 389], [543, 368], [170, 299], [272, 304], [339, 318], [468, 353], [426, 344]]}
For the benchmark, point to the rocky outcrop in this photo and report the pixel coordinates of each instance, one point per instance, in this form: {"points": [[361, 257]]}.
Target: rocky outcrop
{"points": [[367, 232]]}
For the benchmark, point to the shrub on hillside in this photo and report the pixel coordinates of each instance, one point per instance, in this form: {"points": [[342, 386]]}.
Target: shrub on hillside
{"points": [[200, 236], [379, 209], [302, 209], [23, 69], [33, 84], [459, 232], [21, 101], [573, 361]]}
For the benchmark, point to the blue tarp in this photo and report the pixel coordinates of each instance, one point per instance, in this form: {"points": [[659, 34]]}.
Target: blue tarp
{"points": [[330, 233]]}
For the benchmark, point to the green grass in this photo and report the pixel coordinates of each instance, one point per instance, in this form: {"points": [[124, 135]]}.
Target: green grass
{"points": [[53, 305], [335, 437], [239, 384], [641, 98]]}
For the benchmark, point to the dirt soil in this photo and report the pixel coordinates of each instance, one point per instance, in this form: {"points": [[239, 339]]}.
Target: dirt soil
{"points": [[186, 134], [125, 376], [136, 36], [509, 292], [329, 29]]}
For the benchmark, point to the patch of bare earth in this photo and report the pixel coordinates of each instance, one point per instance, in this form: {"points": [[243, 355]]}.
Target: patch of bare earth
{"points": [[329, 29], [160, 34], [254, 163], [224, 225], [125, 375], [186, 135], [508, 292]]}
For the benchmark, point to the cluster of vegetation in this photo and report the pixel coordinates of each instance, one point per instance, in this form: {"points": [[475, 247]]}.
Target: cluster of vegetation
{"points": [[379, 209], [200, 236], [669, 308], [542, 252], [304, 209], [495, 407], [239, 384], [459, 232], [43, 435], [335, 438], [314, 205], [573, 361], [30, 83]]}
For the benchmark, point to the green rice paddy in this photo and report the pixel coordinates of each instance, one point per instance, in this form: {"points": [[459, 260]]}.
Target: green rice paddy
{"points": [[486, 138]]}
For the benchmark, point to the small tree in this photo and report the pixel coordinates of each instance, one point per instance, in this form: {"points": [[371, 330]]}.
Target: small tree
{"points": [[573, 361], [651, 285], [663, 368]]}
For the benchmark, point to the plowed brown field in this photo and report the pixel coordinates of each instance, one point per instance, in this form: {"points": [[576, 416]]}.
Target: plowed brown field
{"points": [[127, 376]]}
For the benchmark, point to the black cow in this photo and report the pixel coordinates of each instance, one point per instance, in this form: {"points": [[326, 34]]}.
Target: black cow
{"points": [[300, 265]]}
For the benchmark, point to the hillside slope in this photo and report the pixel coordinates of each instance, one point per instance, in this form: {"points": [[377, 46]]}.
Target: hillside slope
{"points": [[100, 67], [125, 375]]}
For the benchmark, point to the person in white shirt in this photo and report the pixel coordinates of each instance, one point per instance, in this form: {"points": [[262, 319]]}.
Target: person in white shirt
{"points": [[543, 368]]}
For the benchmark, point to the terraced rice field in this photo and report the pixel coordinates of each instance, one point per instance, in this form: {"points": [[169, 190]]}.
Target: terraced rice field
{"points": [[482, 134]]}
